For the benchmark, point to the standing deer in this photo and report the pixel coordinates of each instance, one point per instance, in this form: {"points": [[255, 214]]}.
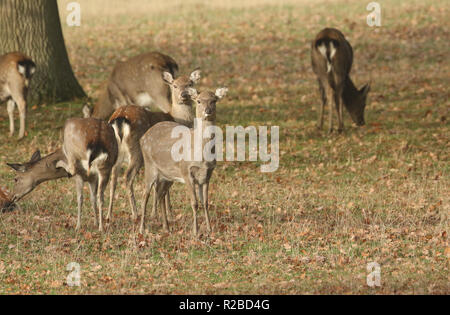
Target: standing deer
{"points": [[161, 170], [332, 58], [131, 122], [90, 151], [136, 81], [16, 71]]}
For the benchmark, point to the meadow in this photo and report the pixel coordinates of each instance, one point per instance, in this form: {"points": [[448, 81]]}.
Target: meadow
{"points": [[378, 193]]}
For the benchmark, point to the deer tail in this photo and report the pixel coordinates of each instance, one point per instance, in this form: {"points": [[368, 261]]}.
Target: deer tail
{"points": [[327, 48], [26, 68]]}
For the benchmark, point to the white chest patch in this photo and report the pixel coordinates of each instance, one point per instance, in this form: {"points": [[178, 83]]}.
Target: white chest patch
{"points": [[144, 99]]}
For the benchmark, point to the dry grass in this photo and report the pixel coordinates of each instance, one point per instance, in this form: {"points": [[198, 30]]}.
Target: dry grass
{"points": [[378, 193]]}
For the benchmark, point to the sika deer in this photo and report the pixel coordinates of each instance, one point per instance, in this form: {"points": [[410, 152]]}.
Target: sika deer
{"points": [[161, 170], [90, 151], [16, 71], [332, 58], [136, 81], [36, 171], [131, 122]]}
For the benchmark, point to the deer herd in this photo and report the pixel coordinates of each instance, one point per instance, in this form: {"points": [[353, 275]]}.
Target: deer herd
{"points": [[120, 129]]}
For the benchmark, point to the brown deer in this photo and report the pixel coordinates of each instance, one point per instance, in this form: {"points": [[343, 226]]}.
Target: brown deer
{"points": [[90, 152], [136, 81], [332, 58], [16, 71], [161, 169], [131, 122], [36, 171]]}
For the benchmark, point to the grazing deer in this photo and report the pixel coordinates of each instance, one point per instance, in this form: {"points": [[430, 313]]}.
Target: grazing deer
{"points": [[36, 171], [16, 71], [131, 122], [90, 151], [161, 170], [332, 58], [136, 81]]}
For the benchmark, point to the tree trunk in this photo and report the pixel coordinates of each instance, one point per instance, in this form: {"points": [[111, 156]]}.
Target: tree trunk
{"points": [[33, 28]]}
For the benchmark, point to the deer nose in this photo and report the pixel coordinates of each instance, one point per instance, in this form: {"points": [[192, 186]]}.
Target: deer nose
{"points": [[184, 94], [208, 111]]}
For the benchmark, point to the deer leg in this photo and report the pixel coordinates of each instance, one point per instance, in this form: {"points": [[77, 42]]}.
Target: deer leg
{"points": [[10, 107], [79, 188], [155, 204], [69, 167], [329, 96], [102, 182], [168, 205], [144, 207], [149, 183], [130, 176], [203, 192], [112, 189], [339, 108], [194, 204], [161, 191], [22, 106], [93, 187], [322, 105]]}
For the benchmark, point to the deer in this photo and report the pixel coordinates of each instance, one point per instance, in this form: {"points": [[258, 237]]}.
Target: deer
{"points": [[332, 58], [90, 152], [36, 171], [16, 70], [42, 169], [136, 81], [162, 170], [131, 122]]}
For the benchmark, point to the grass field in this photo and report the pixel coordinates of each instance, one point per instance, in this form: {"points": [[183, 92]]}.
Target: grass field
{"points": [[379, 193]]}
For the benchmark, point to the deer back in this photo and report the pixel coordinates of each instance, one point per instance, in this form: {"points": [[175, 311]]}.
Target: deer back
{"points": [[156, 145], [139, 81]]}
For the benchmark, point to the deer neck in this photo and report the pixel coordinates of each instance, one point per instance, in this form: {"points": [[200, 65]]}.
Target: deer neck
{"points": [[349, 94], [201, 125], [182, 114], [46, 168]]}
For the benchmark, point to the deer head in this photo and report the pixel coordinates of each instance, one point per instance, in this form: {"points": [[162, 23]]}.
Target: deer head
{"points": [[357, 104], [35, 172], [206, 102], [179, 87]]}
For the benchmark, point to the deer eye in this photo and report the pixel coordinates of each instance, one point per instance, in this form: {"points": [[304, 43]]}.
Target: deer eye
{"points": [[16, 180], [175, 86]]}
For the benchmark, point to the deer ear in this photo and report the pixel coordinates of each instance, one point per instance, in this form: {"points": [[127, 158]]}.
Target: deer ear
{"points": [[167, 77], [195, 76], [35, 157], [365, 90], [17, 167], [220, 93], [192, 93]]}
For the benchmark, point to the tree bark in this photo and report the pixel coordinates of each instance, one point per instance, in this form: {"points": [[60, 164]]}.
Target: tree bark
{"points": [[33, 27]]}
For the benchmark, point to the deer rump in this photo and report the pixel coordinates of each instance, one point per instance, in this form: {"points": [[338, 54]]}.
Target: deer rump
{"points": [[327, 47]]}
